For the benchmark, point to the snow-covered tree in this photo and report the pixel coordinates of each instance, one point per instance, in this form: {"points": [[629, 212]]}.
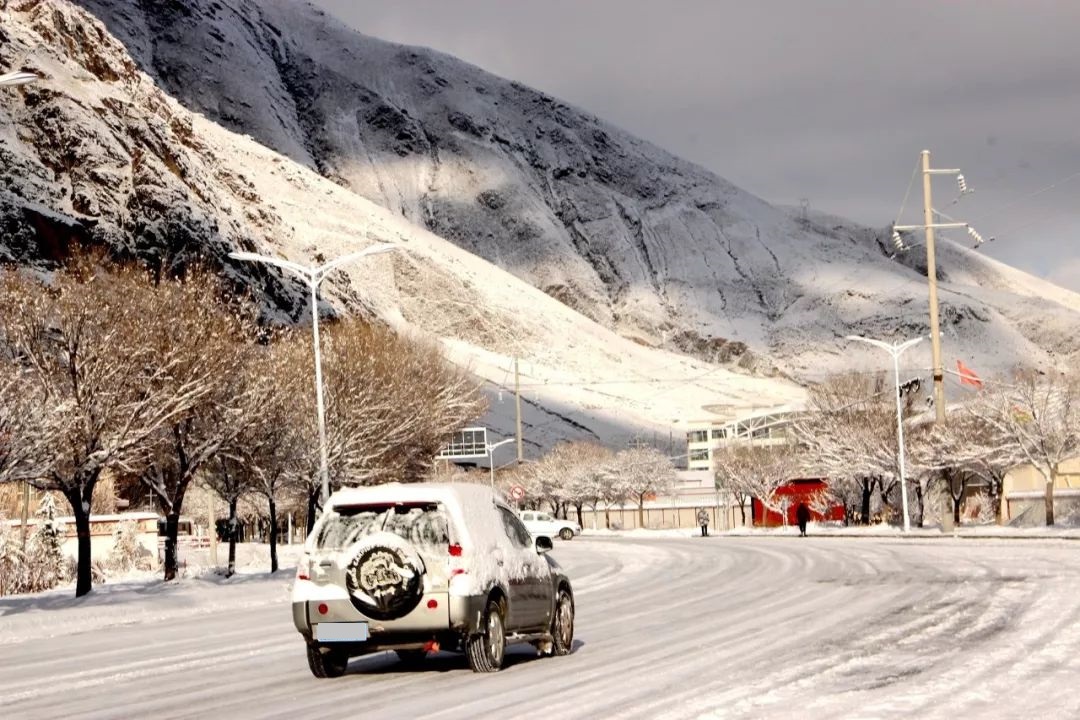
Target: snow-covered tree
{"points": [[643, 473], [45, 553], [127, 552], [88, 339], [24, 454], [965, 449], [1035, 417], [848, 434], [12, 562], [583, 481], [756, 472]]}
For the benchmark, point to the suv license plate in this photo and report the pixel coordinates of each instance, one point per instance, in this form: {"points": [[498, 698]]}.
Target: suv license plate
{"points": [[341, 632]]}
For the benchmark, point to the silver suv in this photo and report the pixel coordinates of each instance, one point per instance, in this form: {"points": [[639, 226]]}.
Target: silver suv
{"points": [[419, 568]]}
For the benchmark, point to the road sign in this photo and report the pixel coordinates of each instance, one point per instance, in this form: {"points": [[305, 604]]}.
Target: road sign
{"points": [[517, 493]]}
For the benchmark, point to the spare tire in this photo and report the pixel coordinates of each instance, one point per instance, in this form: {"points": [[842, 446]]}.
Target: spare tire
{"points": [[385, 577]]}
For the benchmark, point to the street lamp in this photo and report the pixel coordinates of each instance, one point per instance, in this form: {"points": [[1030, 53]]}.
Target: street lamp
{"points": [[18, 77], [313, 276], [491, 457], [896, 351]]}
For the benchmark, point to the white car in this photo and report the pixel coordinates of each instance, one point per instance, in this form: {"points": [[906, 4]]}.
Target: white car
{"points": [[540, 523]]}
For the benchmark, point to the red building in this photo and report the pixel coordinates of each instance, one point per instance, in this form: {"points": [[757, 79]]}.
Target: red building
{"points": [[804, 490]]}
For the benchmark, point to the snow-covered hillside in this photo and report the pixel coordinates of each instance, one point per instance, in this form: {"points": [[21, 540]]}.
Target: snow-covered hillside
{"points": [[380, 142], [96, 153], [645, 243]]}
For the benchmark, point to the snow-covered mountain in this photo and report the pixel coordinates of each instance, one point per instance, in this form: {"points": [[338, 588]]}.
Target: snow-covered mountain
{"points": [[532, 229], [641, 241], [96, 153]]}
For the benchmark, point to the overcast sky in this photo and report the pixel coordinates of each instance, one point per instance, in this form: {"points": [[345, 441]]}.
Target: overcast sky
{"points": [[830, 100]]}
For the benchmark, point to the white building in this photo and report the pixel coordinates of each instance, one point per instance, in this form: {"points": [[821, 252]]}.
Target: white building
{"points": [[770, 426]]}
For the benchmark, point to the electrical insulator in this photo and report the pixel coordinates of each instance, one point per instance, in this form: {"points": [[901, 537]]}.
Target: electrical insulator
{"points": [[897, 240], [962, 183], [975, 236]]}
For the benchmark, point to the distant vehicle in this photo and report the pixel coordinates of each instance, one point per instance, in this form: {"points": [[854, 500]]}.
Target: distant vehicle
{"points": [[425, 567], [540, 523]]}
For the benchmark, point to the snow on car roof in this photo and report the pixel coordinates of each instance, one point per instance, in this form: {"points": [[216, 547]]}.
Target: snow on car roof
{"points": [[463, 494]]}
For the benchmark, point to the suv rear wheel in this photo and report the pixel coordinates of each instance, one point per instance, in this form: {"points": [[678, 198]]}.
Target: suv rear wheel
{"points": [[562, 625], [566, 534], [326, 662], [487, 648]]}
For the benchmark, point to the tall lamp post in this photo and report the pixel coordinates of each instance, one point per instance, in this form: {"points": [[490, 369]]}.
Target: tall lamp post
{"points": [[313, 276], [20, 77], [491, 457], [896, 351]]}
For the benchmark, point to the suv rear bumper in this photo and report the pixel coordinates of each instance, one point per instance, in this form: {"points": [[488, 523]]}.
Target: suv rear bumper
{"points": [[461, 614]]}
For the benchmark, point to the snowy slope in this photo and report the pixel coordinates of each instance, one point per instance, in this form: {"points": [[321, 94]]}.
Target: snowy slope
{"points": [[151, 178], [644, 242]]}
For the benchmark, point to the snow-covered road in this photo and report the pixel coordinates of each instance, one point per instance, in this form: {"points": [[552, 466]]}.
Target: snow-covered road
{"points": [[717, 628]]}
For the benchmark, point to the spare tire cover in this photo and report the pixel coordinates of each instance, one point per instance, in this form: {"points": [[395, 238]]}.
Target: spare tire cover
{"points": [[385, 577]]}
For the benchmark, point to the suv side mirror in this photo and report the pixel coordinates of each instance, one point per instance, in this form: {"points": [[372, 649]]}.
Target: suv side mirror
{"points": [[544, 544]]}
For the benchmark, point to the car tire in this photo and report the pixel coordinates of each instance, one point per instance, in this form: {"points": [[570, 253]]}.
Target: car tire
{"points": [[486, 649], [385, 582], [411, 657], [326, 662], [562, 624], [566, 534]]}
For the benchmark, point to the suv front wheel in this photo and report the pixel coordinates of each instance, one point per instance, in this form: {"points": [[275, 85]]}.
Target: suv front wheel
{"points": [[326, 662], [487, 649]]}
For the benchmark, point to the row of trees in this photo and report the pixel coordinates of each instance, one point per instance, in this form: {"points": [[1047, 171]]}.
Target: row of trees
{"points": [[583, 475], [848, 435], [165, 382]]}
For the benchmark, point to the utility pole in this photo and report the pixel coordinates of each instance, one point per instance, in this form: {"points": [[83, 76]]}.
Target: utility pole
{"points": [[931, 267], [517, 413], [931, 274]]}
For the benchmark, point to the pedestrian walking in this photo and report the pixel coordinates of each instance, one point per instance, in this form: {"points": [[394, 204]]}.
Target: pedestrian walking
{"points": [[703, 521], [802, 514]]}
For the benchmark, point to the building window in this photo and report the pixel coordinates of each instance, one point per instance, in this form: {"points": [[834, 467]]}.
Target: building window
{"points": [[696, 455], [719, 434], [697, 436]]}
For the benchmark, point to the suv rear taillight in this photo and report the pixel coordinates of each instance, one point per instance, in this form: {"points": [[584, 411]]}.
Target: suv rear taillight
{"points": [[455, 551], [303, 568]]}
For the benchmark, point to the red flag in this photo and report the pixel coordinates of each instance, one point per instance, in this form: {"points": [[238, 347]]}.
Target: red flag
{"points": [[967, 375]]}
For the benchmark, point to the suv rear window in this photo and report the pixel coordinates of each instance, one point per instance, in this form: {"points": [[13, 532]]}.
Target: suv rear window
{"points": [[425, 525]]}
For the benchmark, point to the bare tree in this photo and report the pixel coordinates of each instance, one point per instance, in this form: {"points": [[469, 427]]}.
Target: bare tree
{"points": [[208, 344], [643, 473], [1035, 417], [272, 450], [86, 338], [391, 404]]}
